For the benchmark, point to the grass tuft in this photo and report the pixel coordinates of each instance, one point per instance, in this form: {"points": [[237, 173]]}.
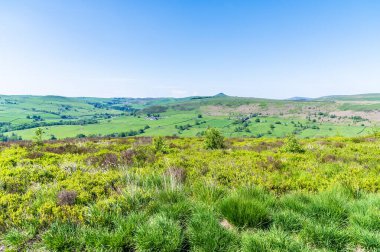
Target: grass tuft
{"points": [[159, 233]]}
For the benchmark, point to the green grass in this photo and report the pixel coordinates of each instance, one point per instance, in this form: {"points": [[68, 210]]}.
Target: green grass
{"points": [[219, 112], [253, 195], [159, 233], [206, 234], [247, 209]]}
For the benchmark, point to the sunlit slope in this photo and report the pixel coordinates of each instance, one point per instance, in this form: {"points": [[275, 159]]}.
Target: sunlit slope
{"points": [[64, 117]]}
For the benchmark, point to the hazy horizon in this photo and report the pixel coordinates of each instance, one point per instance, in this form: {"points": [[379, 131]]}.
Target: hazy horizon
{"points": [[265, 49], [205, 95]]}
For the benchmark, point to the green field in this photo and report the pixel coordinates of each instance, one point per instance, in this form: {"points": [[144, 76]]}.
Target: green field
{"points": [[63, 117]]}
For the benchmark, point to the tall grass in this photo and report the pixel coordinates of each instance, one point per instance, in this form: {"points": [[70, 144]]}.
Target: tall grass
{"points": [[159, 233], [191, 199], [206, 234]]}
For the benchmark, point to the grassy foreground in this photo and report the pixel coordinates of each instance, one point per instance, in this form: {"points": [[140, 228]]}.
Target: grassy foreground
{"points": [[135, 194]]}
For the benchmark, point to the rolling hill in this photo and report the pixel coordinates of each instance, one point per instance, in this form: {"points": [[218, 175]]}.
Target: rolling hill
{"points": [[66, 117]]}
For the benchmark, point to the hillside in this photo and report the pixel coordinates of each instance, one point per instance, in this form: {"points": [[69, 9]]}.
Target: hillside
{"points": [[66, 117], [139, 194]]}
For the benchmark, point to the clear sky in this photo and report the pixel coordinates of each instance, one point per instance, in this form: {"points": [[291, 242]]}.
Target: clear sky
{"points": [[142, 48]]}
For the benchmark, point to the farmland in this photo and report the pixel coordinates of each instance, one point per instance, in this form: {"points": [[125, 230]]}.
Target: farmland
{"points": [[63, 117]]}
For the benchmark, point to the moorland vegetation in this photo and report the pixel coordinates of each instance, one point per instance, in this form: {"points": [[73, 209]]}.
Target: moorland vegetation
{"points": [[191, 194]]}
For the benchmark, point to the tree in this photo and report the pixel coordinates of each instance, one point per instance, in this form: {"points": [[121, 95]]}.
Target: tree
{"points": [[214, 139], [159, 144], [292, 145], [38, 136]]}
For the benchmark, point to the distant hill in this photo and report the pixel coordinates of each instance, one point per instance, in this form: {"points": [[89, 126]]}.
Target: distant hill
{"points": [[221, 95], [359, 97], [297, 98], [63, 117]]}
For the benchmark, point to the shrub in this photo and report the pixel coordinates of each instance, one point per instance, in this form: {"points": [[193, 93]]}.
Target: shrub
{"points": [[108, 160], [159, 145], [127, 156], [35, 155], [179, 174], [292, 145], [159, 234], [66, 197], [38, 137], [143, 154], [244, 212], [68, 148], [214, 139], [329, 158]]}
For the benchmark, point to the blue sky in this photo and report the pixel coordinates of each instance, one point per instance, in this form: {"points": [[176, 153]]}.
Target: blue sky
{"points": [[141, 48]]}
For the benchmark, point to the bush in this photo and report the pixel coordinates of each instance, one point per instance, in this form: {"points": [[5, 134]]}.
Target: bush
{"points": [[143, 154], [178, 174], [38, 137], [127, 156], [159, 234], [104, 160], [66, 197], [159, 145], [214, 139], [292, 145], [108, 160]]}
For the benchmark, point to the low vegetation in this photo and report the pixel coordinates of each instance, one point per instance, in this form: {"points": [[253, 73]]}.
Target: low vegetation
{"points": [[181, 194]]}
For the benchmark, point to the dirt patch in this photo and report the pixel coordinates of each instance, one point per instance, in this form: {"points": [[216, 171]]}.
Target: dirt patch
{"points": [[286, 110], [225, 224], [218, 110]]}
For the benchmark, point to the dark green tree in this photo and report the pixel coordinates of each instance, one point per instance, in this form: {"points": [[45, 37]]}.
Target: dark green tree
{"points": [[214, 139]]}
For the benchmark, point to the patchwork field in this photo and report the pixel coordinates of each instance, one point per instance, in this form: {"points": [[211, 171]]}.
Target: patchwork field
{"points": [[63, 117]]}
